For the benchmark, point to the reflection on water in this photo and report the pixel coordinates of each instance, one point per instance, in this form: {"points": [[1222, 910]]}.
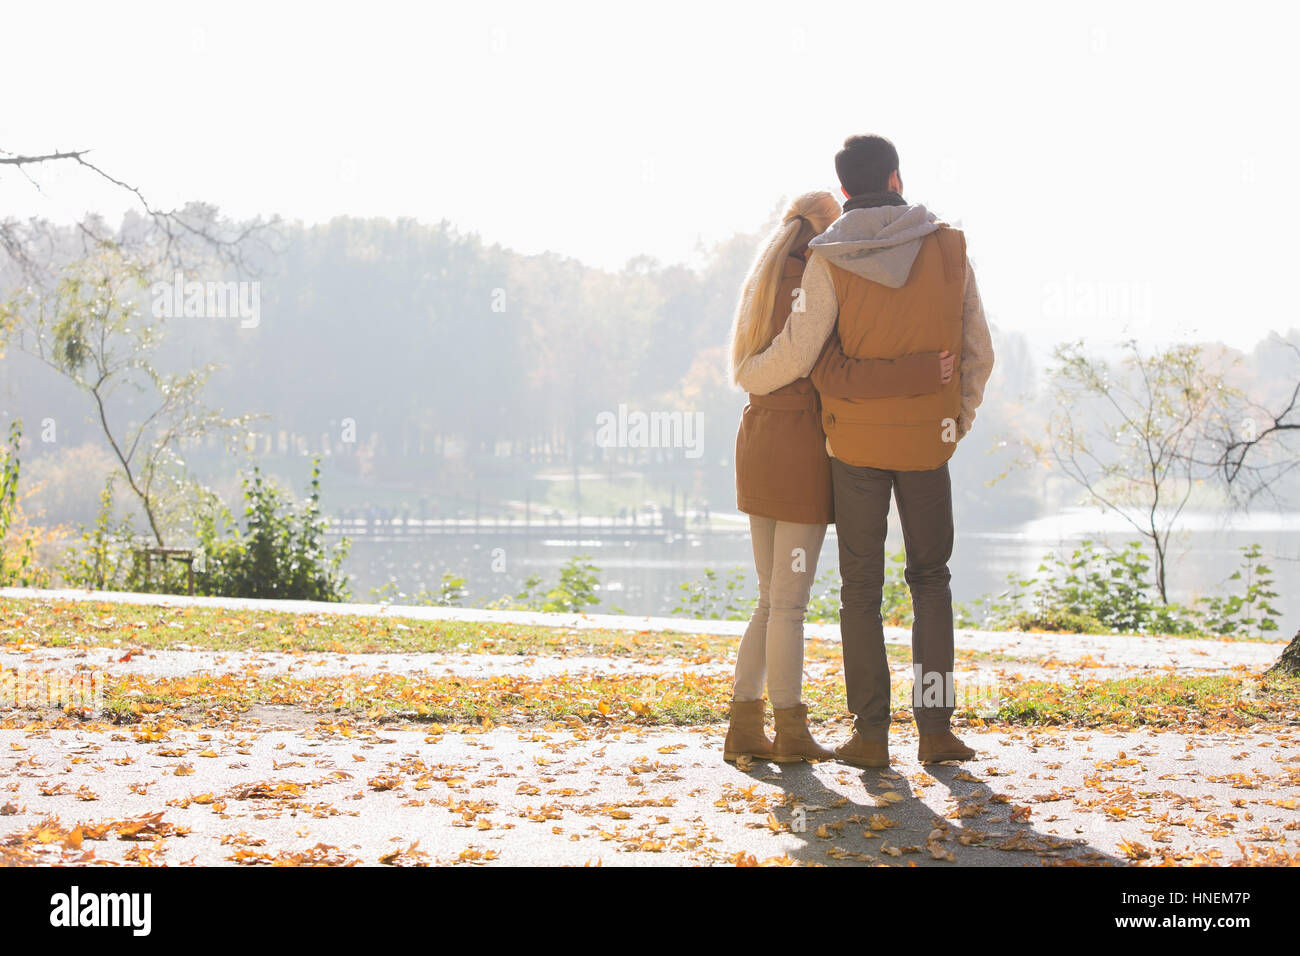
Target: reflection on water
{"points": [[644, 577]]}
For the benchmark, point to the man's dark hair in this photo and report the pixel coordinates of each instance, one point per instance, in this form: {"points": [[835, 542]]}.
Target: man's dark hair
{"points": [[864, 164]]}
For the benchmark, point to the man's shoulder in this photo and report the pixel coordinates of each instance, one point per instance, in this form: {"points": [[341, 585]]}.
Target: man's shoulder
{"points": [[952, 241]]}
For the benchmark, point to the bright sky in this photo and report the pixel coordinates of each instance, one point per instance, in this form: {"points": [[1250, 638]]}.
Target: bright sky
{"points": [[1121, 169]]}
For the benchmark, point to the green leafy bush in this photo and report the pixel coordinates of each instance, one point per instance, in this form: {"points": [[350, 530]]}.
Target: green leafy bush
{"points": [[716, 597], [895, 596], [1251, 612], [103, 558], [528, 599], [1111, 592], [451, 593], [1089, 592], [577, 589], [824, 604], [18, 565], [280, 553]]}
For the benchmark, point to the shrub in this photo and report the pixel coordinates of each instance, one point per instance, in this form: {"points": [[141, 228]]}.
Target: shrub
{"points": [[280, 553], [895, 596], [103, 558], [1090, 592], [824, 605], [576, 590], [717, 598], [451, 593], [18, 541], [1100, 592], [1250, 612]]}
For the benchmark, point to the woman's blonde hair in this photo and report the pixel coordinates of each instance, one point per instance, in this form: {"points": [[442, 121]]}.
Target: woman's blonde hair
{"points": [[751, 329]]}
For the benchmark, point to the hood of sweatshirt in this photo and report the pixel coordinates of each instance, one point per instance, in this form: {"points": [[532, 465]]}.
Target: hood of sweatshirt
{"points": [[878, 243]]}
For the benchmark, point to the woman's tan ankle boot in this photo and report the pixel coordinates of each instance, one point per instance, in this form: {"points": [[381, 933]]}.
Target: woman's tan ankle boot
{"points": [[745, 734], [793, 741]]}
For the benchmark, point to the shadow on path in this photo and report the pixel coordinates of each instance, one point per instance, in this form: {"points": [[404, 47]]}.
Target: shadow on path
{"points": [[995, 834]]}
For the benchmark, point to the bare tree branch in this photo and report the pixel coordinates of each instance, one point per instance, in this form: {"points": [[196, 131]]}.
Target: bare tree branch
{"points": [[177, 230]]}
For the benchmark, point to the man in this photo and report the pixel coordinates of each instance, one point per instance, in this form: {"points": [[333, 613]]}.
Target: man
{"points": [[889, 279]]}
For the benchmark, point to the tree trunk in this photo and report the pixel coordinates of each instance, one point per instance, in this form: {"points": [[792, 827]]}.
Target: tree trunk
{"points": [[1160, 566], [1288, 665]]}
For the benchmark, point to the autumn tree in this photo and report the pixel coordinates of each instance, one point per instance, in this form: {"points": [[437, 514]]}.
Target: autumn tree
{"points": [[1251, 448], [91, 331], [1133, 434]]}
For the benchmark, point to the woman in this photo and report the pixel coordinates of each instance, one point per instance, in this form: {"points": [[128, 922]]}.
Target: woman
{"points": [[783, 482]]}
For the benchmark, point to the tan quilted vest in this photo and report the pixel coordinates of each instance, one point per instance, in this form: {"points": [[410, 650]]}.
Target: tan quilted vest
{"points": [[918, 432]]}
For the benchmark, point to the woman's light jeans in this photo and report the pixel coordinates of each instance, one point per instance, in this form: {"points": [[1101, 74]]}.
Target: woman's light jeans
{"points": [[785, 555]]}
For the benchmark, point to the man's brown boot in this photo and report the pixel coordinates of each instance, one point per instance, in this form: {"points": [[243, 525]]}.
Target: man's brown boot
{"points": [[942, 746], [745, 734], [793, 741], [865, 750]]}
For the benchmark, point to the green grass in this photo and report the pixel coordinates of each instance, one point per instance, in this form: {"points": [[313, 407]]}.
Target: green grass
{"points": [[47, 623], [1166, 701], [1183, 704]]}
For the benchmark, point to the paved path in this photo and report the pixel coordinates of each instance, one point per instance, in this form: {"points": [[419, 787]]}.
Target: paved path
{"points": [[279, 784], [638, 797]]}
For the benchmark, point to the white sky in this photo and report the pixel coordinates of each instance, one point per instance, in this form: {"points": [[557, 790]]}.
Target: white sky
{"points": [[1120, 169]]}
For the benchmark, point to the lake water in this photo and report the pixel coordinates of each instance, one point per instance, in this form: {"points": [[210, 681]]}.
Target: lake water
{"points": [[644, 577]]}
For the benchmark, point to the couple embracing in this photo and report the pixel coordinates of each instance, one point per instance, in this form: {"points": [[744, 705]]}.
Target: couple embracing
{"points": [[863, 344]]}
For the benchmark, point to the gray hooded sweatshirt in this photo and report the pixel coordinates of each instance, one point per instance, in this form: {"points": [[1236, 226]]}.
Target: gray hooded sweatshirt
{"points": [[879, 243]]}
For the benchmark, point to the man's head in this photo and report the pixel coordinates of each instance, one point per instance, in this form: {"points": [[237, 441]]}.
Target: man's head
{"points": [[868, 164]]}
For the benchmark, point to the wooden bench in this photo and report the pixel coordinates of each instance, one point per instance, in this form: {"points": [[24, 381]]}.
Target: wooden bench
{"points": [[183, 555]]}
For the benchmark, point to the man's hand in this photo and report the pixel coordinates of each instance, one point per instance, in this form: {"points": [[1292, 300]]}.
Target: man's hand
{"points": [[946, 360]]}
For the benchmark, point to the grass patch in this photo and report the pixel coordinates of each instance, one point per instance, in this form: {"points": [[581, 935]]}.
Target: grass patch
{"points": [[1169, 701], [676, 701], [44, 623], [1188, 704], [1165, 701]]}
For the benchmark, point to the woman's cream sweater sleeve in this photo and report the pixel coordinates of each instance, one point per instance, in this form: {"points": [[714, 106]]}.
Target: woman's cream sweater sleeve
{"points": [[794, 352]]}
